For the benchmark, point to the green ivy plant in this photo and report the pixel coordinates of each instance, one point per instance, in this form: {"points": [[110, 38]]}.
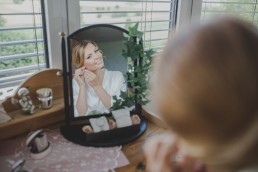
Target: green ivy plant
{"points": [[139, 64]]}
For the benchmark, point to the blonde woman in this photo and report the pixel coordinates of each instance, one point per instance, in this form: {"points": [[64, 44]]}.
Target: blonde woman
{"points": [[206, 89], [93, 86]]}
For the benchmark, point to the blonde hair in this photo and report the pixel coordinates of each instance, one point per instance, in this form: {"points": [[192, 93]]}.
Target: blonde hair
{"points": [[78, 51], [209, 81]]}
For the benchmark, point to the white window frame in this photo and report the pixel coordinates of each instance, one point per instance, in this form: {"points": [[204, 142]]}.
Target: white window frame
{"points": [[68, 11], [64, 16], [70, 22], [188, 11]]}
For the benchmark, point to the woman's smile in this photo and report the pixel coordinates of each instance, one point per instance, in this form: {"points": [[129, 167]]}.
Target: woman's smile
{"points": [[99, 62]]}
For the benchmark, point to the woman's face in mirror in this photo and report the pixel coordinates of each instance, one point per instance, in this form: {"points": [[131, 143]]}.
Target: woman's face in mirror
{"points": [[93, 59]]}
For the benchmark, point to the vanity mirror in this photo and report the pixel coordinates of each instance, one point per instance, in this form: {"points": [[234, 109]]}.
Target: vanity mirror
{"points": [[95, 71]]}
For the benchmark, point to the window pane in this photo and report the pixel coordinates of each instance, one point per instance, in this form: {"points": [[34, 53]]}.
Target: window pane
{"points": [[22, 40], [247, 9], [156, 17]]}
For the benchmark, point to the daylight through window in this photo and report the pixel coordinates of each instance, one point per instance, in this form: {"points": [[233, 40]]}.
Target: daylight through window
{"points": [[22, 42], [247, 9], [156, 17]]}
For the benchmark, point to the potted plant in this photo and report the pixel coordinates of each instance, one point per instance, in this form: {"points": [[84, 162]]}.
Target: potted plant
{"points": [[139, 64]]}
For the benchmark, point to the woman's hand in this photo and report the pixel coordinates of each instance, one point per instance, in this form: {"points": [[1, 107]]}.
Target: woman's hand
{"points": [[162, 154], [79, 76], [92, 79]]}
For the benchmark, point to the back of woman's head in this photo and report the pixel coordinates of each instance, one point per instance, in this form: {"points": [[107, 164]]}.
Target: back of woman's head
{"points": [[209, 81]]}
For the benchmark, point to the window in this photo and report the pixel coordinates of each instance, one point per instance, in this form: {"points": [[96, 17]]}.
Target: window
{"points": [[23, 48], [247, 9], [156, 17]]}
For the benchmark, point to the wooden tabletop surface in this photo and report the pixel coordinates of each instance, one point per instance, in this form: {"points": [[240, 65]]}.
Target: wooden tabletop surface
{"points": [[134, 150]]}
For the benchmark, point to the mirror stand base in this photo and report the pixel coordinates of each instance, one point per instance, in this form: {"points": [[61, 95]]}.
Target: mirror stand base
{"points": [[108, 138]]}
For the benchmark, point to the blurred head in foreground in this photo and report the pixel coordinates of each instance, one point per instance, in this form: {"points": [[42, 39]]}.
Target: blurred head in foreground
{"points": [[206, 88]]}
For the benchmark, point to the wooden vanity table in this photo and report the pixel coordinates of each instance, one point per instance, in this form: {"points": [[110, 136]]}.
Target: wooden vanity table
{"points": [[133, 151], [54, 118]]}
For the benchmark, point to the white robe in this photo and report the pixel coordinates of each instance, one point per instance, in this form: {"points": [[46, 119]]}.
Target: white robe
{"points": [[113, 83]]}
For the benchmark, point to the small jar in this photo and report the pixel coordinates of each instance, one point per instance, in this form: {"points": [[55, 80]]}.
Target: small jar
{"points": [[45, 97]]}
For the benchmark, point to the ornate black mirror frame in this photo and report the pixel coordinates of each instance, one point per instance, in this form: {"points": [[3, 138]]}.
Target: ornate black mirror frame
{"points": [[72, 130]]}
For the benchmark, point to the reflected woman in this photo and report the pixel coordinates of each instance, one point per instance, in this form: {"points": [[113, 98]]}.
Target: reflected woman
{"points": [[93, 86]]}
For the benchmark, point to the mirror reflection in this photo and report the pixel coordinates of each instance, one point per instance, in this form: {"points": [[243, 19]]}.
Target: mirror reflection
{"points": [[97, 67], [93, 85]]}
